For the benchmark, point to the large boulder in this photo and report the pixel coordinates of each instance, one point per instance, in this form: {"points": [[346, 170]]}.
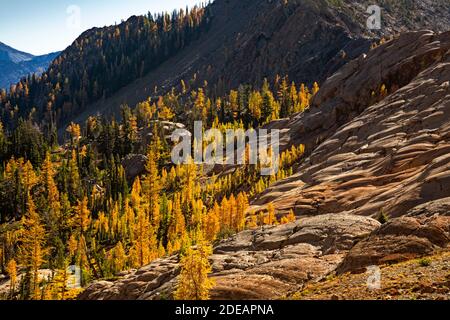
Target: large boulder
{"points": [[398, 240]]}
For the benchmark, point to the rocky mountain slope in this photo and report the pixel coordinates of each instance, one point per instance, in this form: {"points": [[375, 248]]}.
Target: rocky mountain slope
{"points": [[377, 141], [15, 64], [251, 39], [390, 155]]}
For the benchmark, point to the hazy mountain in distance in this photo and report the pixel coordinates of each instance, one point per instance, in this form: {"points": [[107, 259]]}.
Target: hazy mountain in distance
{"points": [[15, 64]]}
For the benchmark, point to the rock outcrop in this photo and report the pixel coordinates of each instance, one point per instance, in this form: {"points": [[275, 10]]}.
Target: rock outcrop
{"points": [[255, 264], [134, 165], [398, 240]]}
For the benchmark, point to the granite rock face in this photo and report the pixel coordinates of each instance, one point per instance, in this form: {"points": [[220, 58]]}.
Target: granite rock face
{"points": [[368, 153], [265, 263]]}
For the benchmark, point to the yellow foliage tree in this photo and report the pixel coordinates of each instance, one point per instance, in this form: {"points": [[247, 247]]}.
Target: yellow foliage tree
{"points": [[74, 175], [118, 258], [81, 223], [211, 223], [53, 202], [316, 88], [152, 182], [290, 217], [144, 244], [177, 226], [57, 289], [74, 131], [255, 104], [32, 250], [242, 206], [193, 282], [270, 219], [29, 178]]}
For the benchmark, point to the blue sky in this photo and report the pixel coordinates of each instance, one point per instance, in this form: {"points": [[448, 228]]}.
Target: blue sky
{"points": [[43, 26]]}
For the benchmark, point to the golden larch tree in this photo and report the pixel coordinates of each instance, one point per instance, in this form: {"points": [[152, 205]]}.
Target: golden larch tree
{"points": [[177, 226], [211, 224], [193, 282], [316, 88], [81, 223], [52, 196]]}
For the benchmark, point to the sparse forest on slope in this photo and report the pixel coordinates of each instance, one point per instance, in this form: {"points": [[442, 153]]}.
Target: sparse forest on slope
{"points": [[76, 204], [249, 40]]}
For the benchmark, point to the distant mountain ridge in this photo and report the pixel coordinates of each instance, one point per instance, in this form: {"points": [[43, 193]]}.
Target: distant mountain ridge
{"points": [[15, 64]]}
